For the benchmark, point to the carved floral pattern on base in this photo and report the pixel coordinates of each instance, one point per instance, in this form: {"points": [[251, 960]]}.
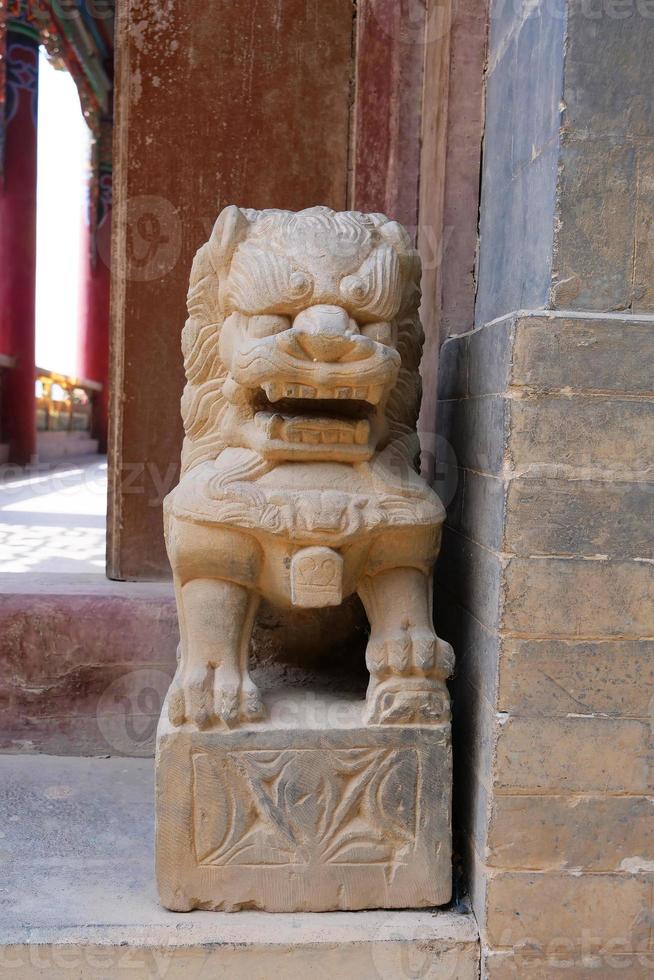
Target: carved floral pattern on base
{"points": [[305, 806]]}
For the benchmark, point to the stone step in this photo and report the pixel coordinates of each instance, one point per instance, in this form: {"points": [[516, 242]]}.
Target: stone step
{"points": [[77, 898], [86, 663]]}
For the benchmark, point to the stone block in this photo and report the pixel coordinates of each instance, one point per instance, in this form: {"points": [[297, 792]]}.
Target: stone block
{"points": [[605, 354], [583, 912], [453, 369], [470, 575], [578, 754], [571, 517], [594, 242], [571, 833], [576, 597], [475, 429], [490, 354], [515, 259], [470, 811], [609, 961], [483, 510], [477, 647], [312, 810], [643, 289], [609, 94], [524, 86], [453, 487], [555, 678], [583, 432]]}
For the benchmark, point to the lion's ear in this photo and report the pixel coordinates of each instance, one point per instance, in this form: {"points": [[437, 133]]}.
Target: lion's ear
{"points": [[229, 230], [394, 233]]}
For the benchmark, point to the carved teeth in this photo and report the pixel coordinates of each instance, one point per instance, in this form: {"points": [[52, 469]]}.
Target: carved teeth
{"points": [[274, 391], [271, 424], [361, 432], [312, 431]]}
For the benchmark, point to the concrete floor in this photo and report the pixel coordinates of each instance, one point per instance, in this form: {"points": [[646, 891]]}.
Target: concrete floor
{"points": [[77, 897], [54, 520]]}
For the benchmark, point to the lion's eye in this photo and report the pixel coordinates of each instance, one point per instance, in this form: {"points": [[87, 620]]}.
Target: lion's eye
{"points": [[267, 326], [381, 332], [354, 288], [300, 285]]}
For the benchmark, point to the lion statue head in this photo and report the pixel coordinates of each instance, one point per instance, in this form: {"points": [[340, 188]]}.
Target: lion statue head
{"points": [[303, 339]]}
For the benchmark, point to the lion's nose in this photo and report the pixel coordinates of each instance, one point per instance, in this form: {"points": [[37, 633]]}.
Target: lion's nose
{"points": [[327, 333]]}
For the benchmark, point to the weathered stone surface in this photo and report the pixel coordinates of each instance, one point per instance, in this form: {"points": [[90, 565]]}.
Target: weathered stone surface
{"points": [[490, 354], [475, 428], [577, 597], [612, 433], [611, 960], [610, 93], [555, 678], [86, 663], [581, 124], [643, 293], [524, 87], [478, 647], [471, 575], [581, 911], [483, 509], [256, 952], [604, 354], [579, 754], [453, 369], [576, 517], [572, 833], [310, 811], [594, 244]]}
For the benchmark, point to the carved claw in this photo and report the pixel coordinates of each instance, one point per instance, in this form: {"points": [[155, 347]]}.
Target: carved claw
{"points": [[252, 705], [228, 700], [424, 653], [398, 653], [409, 652], [375, 657], [191, 698], [204, 698]]}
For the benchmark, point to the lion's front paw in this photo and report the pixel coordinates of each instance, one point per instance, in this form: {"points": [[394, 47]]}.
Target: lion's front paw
{"points": [[206, 697], [409, 651], [408, 668]]}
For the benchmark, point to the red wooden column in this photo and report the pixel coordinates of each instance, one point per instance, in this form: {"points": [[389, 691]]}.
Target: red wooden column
{"points": [[18, 241], [96, 282]]}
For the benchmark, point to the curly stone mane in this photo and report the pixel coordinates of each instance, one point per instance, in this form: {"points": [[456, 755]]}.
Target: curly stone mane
{"points": [[203, 403]]}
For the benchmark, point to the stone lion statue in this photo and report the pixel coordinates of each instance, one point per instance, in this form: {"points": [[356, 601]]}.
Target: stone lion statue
{"points": [[298, 480]]}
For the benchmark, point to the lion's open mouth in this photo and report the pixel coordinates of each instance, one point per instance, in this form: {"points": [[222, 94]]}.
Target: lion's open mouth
{"points": [[316, 416]]}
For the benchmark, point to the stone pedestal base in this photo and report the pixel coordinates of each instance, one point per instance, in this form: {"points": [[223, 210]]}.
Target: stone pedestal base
{"points": [[310, 810]]}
